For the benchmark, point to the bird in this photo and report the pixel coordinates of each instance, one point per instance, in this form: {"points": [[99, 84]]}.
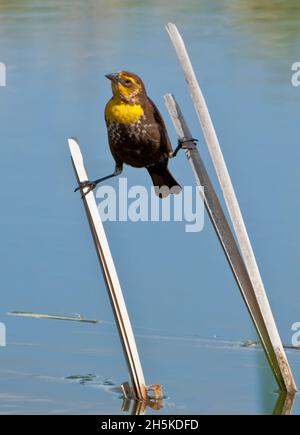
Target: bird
{"points": [[137, 134]]}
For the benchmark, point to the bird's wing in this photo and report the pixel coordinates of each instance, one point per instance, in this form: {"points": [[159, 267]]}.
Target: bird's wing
{"points": [[165, 141]]}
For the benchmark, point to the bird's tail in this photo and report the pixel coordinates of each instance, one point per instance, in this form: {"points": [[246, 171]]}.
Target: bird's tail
{"points": [[163, 180]]}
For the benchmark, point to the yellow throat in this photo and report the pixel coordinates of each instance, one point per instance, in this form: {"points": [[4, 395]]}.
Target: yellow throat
{"points": [[122, 112]]}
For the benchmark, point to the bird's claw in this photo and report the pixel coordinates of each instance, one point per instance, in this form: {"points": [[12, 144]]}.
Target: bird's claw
{"points": [[187, 143], [89, 184], [184, 144]]}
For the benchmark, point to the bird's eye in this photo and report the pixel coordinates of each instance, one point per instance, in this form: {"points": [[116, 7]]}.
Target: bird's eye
{"points": [[128, 82]]}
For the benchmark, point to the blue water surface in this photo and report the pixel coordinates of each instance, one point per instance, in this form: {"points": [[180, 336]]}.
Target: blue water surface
{"points": [[179, 289]]}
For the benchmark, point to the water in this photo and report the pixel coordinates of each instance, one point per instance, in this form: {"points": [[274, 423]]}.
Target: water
{"points": [[178, 286]]}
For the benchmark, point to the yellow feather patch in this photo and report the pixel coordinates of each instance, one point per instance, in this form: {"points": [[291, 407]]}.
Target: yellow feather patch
{"points": [[119, 111]]}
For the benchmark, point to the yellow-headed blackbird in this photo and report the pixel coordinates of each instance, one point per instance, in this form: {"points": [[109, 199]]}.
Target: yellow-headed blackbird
{"points": [[137, 134]]}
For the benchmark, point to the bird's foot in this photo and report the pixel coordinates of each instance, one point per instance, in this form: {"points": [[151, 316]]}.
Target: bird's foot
{"points": [[89, 184], [187, 143], [184, 144]]}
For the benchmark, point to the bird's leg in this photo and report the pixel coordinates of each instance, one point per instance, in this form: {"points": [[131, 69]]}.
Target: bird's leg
{"points": [[185, 144], [92, 184]]}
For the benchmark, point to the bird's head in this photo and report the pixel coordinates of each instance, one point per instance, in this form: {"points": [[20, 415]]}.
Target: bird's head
{"points": [[127, 86]]}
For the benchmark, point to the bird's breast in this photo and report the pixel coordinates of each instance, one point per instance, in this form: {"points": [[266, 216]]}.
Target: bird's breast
{"points": [[133, 144], [120, 112], [139, 131]]}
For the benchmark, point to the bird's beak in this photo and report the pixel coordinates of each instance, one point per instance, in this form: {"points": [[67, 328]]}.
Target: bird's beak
{"points": [[113, 77]]}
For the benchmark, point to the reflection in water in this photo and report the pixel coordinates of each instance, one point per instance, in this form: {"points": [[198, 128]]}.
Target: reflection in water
{"points": [[274, 24], [267, 388], [284, 404], [137, 407]]}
